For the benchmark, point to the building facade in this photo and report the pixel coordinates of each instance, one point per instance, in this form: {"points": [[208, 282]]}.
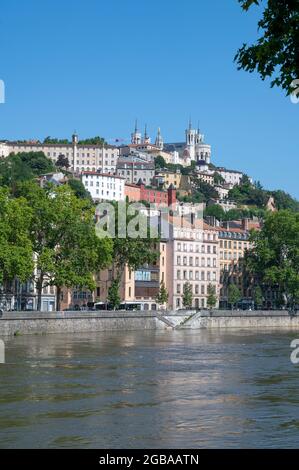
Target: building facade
{"points": [[104, 187], [192, 257], [81, 157], [134, 169]]}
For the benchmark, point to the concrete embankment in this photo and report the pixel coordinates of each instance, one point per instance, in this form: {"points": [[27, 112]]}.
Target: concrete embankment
{"points": [[13, 323], [228, 319]]}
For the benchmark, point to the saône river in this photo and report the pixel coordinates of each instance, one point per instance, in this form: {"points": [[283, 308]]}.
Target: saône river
{"points": [[153, 389]]}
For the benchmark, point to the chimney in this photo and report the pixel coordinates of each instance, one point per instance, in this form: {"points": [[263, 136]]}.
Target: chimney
{"points": [[211, 220], [192, 215], [171, 195], [245, 224]]}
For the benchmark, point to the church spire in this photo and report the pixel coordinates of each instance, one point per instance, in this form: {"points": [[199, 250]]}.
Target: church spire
{"points": [[146, 138], [136, 136], [159, 140]]}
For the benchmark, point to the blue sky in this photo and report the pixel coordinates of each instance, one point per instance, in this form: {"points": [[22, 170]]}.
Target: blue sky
{"points": [[95, 66]]}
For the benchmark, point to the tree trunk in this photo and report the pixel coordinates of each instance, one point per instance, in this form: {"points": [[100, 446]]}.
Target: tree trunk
{"points": [[58, 294], [39, 288]]}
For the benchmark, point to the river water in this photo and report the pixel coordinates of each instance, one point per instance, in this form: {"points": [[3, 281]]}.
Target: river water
{"points": [[154, 389]]}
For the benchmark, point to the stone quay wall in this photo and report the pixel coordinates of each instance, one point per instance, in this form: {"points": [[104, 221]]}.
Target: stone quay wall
{"points": [[14, 323]]}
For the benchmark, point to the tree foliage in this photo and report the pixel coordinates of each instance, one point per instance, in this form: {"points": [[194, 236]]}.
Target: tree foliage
{"points": [[275, 54], [234, 295], [162, 297], [16, 255], [212, 297], [275, 254], [23, 166], [64, 240], [54, 141], [62, 162], [187, 295], [258, 296], [79, 189], [160, 162], [93, 141], [113, 294]]}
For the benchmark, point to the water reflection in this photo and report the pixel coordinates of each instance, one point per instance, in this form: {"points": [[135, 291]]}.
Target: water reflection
{"points": [[150, 389]]}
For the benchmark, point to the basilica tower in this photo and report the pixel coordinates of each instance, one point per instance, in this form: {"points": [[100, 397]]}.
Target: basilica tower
{"points": [[136, 135], [159, 140]]}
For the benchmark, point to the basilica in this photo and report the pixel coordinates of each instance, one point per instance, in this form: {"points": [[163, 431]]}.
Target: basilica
{"points": [[193, 149]]}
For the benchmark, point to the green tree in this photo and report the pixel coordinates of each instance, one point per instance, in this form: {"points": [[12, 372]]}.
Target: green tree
{"points": [[64, 240], [258, 296], [93, 141], [218, 179], [208, 192], [79, 252], [162, 297], [51, 140], [275, 254], [37, 162], [62, 162], [212, 298], [215, 211], [79, 189], [275, 54], [23, 166], [130, 251], [113, 294], [16, 254], [234, 295], [41, 224], [187, 295], [160, 162], [283, 200]]}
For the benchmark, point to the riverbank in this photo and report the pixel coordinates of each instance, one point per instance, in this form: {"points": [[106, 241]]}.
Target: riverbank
{"points": [[26, 323]]}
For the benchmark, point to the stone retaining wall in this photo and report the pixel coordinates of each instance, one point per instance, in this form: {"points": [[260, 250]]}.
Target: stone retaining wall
{"points": [[13, 323]]}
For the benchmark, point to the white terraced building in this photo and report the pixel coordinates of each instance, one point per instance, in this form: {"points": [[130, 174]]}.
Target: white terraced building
{"points": [[81, 157], [104, 187]]}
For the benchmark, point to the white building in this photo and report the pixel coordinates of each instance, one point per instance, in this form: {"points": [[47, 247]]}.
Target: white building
{"points": [[104, 187], [4, 150], [222, 191], [231, 177]]}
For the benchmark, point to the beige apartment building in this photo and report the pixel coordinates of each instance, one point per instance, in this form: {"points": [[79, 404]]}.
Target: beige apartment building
{"points": [[233, 242], [166, 178], [192, 256], [81, 157]]}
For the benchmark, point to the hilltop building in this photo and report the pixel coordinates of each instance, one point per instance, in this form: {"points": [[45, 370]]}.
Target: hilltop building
{"points": [[81, 157]]}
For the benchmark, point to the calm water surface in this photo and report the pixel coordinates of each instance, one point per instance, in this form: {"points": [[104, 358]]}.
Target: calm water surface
{"points": [[188, 389]]}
